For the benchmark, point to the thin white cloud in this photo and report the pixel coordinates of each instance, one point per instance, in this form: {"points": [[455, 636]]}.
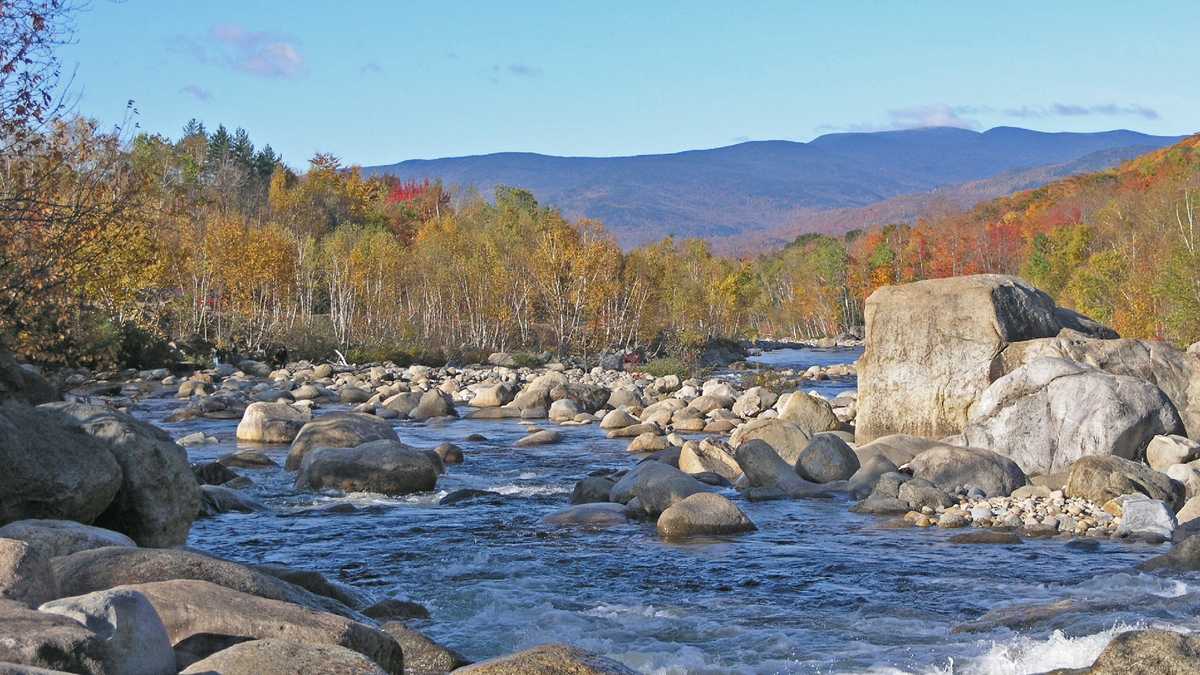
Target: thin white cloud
{"points": [[259, 53], [965, 116], [197, 92]]}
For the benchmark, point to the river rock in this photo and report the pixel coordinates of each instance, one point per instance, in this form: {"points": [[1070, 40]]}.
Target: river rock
{"points": [[54, 538], [492, 396], [932, 348], [25, 574], [285, 657], [341, 430], [394, 609], [618, 419], [1050, 412], [449, 453], [656, 486], [919, 494], [134, 637], [812, 414], [24, 384], [159, 496], [899, 449], [217, 499], [1145, 518], [647, 443], [702, 514], [203, 618], [563, 410], [552, 659], [248, 459], [709, 456], [434, 403], [387, 467], [862, 483], [590, 515], [1164, 451], [1184, 556], [50, 641], [1099, 479], [271, 423], [542, 437], [317, 583], [52, 467], [423, 656], [753, 401], [786, 438], [212, 473], [103, 568], [953, 468], [592, 489], [764, 468], [825, 459], [1149, 652]]}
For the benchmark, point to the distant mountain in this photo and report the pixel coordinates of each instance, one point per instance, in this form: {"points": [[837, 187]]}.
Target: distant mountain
{"points": [[908, 208], [759, 186]]}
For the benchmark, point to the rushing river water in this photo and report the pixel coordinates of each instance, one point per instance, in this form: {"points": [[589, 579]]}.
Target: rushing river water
{"points": [[815, 590]]}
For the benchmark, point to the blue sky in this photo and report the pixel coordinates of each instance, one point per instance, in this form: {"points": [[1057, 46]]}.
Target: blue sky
{"points": [[379, 82]]}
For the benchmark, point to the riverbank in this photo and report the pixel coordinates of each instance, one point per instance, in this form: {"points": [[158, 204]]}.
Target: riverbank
{"points": [[669, 525]]}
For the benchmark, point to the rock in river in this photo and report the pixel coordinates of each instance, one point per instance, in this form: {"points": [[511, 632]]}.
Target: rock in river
{"points": [[552, 659], [388, 467], [341, 430], [702, 513], [52, 468], [159, 496]]}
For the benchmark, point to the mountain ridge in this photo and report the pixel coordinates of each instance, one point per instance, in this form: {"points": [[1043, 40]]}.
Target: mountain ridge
{"points": [[757, 186]]}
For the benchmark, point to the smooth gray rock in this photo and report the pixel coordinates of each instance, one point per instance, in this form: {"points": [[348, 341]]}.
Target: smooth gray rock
{"points": [[388, 467], [134, 638]]}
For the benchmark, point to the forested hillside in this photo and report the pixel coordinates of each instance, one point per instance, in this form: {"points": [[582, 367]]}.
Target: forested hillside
{"points": [[741, 191], [206, 241]]}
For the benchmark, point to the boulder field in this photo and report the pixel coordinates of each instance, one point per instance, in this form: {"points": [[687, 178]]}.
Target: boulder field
{"points": [[980, 404]]}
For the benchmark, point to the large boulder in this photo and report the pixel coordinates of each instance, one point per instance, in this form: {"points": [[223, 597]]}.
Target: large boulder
{"points": [[1050, 412], [340, 430], [492, 396], [786, 438], [1149, 652], [23, 384], [552, 659], [932, 347], [218, 499], [1175, 371], [709, 456], [434, 403], [55, 538], [656, 486], [134, 637], [1100, 479], [595, 515], [825, 459], [25, 574], [273, 656], [271, 423], [764, 468], [102, 568], [159, 497], [387, 467], [700, 514], [1165, 451], [423, 656], [952, 469], [203, 618], [50, 641], [812, 414], [898, 449], [52, 468]]}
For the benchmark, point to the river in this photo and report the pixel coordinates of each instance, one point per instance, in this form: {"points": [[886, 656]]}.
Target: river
{"points": [[815, 590]]}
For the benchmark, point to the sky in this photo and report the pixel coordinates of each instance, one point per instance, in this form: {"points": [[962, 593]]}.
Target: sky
{"points": [[380, 82]]}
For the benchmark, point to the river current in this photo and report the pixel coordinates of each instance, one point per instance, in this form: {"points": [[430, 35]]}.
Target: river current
{"points": [[815, 590]]}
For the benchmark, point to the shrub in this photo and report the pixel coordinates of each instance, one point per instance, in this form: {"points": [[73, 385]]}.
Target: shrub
{"points": [[666, 366]]}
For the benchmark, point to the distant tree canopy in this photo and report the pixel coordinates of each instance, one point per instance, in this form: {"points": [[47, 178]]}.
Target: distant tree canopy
{"points": [[108, 243]]}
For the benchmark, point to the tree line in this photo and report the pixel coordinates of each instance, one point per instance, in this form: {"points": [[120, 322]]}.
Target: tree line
{"points": [[115, 244]]}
